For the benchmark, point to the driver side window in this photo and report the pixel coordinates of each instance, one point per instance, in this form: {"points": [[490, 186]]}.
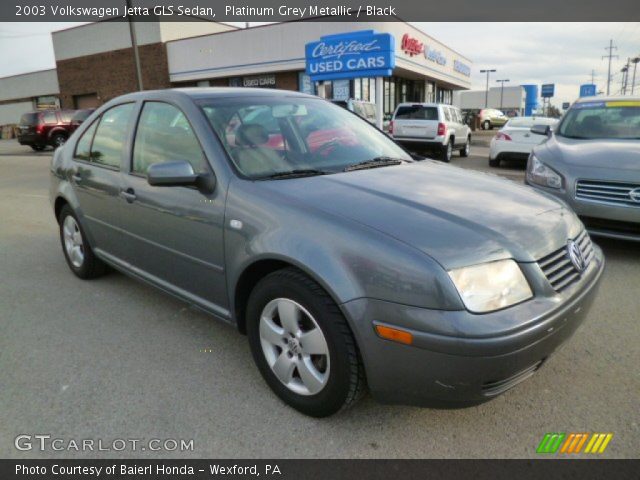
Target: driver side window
{"points": [[164, 135]]}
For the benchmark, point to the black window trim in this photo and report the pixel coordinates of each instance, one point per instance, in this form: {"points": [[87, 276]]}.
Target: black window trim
{"points": [[98, 120]]}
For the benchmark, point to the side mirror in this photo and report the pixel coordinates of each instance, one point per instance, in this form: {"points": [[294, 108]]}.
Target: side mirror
{"points": [[178, 173], [541, 130]]}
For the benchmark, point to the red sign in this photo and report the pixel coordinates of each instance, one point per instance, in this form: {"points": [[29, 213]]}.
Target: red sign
{"points": [[411, 46]]}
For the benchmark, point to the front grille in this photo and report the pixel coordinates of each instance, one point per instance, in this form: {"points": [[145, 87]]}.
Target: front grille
{"points": [[559, 269], [499, 386], [615, 193]]}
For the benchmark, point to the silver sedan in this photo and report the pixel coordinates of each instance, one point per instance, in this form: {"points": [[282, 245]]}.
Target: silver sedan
{"points": [[592, 162]]}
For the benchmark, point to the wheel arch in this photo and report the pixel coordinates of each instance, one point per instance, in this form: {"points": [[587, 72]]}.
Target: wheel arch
{"points": [[256, 271]]}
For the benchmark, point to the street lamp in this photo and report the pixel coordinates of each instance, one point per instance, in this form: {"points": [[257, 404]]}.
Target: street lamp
{"points": [[501, 82], [486, 94], [635, 65]]}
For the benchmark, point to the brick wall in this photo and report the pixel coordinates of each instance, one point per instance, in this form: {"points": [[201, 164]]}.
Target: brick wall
{"points": [[111, 74]]}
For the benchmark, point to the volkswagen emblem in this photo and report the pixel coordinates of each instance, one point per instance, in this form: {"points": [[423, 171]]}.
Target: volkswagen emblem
{"points": [[575, 255], [635, 195]]}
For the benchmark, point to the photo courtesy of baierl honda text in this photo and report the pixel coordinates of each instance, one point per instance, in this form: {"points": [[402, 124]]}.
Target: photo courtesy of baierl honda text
{"points": [[319, 240]]}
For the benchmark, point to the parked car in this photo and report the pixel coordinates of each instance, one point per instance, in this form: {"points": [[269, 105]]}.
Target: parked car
{"points": [[48, 127], [592, 162], [515, 140], [345, 264], [491, 118], [366, 110], [434, 127], [79, 117]]}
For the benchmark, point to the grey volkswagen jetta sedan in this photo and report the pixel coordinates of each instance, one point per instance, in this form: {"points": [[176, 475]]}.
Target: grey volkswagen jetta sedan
{"points": [[592, 162], [343, 260]]}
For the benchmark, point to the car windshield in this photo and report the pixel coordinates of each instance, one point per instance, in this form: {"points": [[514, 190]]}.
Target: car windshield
{"points": [[602, 120], [270, 137]]}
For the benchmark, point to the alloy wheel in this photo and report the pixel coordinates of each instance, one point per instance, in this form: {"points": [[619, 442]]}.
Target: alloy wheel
{"points": [[294, 346], [73, 241]]}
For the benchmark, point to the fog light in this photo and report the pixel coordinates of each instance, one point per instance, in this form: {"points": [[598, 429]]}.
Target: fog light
{"points": [[395, 335]]}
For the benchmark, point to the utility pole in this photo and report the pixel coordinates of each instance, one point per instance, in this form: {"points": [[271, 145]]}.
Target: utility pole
{"points": [[625, 73], [593, 76], [486, 93], [635, 61], [134, 45], [611, 48], [502, 82]]}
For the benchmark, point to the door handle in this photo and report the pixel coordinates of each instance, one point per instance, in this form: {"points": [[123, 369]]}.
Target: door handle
{"points": [[76, 178], [129, 195]]}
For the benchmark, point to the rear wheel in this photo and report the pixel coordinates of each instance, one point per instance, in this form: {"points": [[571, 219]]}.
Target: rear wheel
{"points": [[494, 162], [58, 140], [447, 152], [302, 344], [464, 151], [77, 252]]}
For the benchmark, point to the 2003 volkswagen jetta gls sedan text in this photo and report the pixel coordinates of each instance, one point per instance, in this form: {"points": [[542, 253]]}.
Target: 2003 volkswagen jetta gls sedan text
{"points": [[342, 259]]}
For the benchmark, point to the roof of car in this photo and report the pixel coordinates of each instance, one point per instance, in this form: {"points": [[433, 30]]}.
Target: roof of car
{"points": [[609, 98]]}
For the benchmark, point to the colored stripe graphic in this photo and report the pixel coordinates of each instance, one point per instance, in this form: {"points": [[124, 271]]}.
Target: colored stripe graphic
{"points": [[598, 443], [574, 443], [550, 443]]}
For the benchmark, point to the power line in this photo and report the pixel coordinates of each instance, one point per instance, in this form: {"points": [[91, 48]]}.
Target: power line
{"points": [[611, 47]]}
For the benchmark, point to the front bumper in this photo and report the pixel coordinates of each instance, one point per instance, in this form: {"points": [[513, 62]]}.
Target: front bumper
{"points": [[455, 361]]}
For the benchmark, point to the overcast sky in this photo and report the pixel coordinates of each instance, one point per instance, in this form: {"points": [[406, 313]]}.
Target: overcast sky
{"points": [[560, 53]]}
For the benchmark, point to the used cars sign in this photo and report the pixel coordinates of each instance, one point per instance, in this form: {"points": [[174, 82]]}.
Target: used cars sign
{"points": [[350, 55]]}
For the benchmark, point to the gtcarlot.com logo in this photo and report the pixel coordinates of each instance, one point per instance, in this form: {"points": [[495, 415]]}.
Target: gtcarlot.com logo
{"points": [[43, 443], [572, 443]]}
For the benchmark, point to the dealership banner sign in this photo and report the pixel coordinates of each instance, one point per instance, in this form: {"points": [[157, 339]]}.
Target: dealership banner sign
{"points": [[350, 55]]}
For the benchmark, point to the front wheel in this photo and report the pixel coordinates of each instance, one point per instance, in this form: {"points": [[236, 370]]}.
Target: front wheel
{"points": [[80, 258], [302, 344]]}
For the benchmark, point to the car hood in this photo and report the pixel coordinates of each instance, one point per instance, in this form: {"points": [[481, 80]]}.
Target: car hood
{"points": [[455, 216], [604, 154]]}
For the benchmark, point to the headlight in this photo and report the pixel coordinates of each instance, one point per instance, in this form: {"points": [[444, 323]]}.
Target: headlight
{"points": [[491, 286], [540, 174]]}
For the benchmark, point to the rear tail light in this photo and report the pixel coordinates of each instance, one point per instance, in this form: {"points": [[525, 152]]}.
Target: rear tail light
{"points": [[39, 128], [441, 129], [503, 136], [391, 127]]}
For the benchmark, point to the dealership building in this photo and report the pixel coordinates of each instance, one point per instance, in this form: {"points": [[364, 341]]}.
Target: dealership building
{"points": [[95, 63]]}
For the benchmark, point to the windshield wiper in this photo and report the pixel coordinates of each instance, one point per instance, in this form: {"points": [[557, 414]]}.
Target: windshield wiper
{"points": [[306, 172], [374, 163]]}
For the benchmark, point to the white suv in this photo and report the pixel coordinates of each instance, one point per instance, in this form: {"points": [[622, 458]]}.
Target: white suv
{"points": [[431, 126]]}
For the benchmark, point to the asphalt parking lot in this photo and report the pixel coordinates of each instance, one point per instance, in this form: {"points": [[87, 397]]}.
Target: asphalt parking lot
{"points": [[115, 359]]}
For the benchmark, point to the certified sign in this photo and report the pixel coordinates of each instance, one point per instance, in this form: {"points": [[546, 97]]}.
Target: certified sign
{"points": [[350, 55]]}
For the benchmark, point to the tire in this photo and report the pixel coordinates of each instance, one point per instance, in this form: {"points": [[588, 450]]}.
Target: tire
{"points": [[38, 148], [85, 265], [464, 151], [446, 152], [486, 125], [494, 162], [338, 376], [58, 140]]}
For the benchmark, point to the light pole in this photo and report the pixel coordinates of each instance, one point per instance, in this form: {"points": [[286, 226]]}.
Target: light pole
{"points": [[134, 46], [486, 93], [501, 82], [635, 65]]}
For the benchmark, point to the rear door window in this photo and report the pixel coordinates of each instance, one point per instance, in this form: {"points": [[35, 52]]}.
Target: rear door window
{"points": [[83, 147], [416, 112], [50, 117], [447, 113], [110, 137]]}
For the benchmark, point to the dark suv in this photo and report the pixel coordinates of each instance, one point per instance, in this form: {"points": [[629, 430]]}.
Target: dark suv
{"points": [[46, 127]]}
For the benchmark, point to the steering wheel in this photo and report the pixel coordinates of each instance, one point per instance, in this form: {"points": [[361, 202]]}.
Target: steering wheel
{"points": [[330, 144]]}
